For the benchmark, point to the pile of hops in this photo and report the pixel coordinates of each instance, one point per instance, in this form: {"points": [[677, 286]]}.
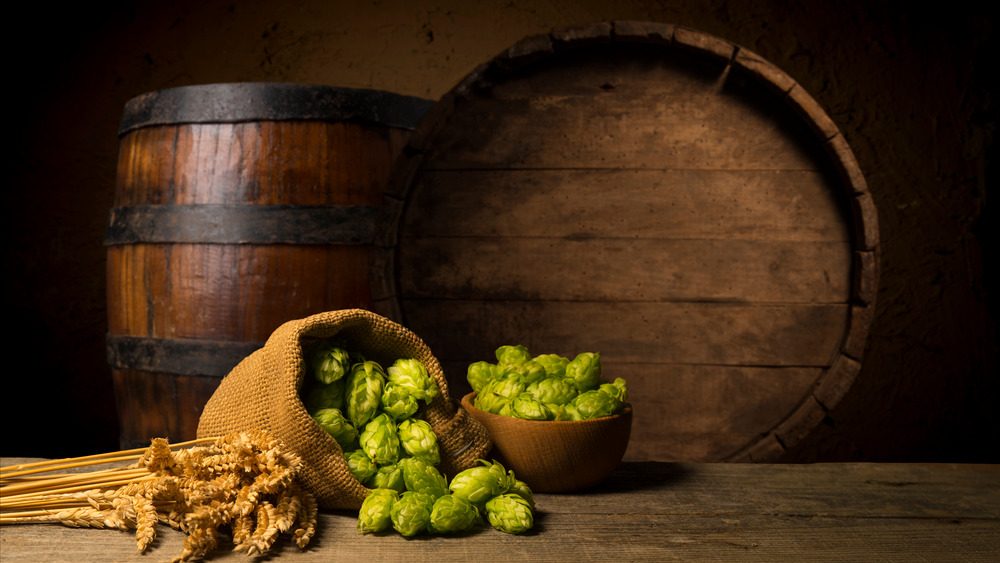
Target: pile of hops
{"points": [[546, 386], [374, 415], [427, 503]]}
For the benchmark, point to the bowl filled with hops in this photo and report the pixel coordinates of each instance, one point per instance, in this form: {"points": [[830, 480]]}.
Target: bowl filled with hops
{"points": [[553, 420]]}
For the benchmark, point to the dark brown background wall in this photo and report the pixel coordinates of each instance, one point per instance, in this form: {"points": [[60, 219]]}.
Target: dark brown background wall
{"points": [[906, 85]]}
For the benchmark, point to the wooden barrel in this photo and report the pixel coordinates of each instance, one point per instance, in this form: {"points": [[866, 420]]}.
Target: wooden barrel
{"points": [[237, 207], [653, 193]]}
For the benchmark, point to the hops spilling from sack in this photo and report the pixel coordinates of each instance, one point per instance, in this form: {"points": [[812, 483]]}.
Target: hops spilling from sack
{"points": [[373, 414], [427, 503], [243, 481]]}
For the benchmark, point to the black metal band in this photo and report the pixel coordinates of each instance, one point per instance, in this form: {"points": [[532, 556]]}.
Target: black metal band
{"points": [[241, 224], [271, 101], [214, 358]]}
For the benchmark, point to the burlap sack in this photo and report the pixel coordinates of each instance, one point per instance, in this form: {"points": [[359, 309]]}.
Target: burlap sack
{"points": [[263, 392]]}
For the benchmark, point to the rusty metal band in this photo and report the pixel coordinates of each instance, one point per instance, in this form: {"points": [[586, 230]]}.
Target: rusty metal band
{"points": [[271, 101], [241, 224], [212, 358]]}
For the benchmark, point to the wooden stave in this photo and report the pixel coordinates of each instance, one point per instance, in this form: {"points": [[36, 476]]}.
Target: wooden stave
{"points": [[177, 360]]}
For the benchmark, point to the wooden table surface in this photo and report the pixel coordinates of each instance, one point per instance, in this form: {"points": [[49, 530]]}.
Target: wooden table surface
{"points": [[657, 511]]}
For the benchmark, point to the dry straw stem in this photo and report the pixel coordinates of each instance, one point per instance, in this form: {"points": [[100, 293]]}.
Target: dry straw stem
{"points": [[244, 482]]}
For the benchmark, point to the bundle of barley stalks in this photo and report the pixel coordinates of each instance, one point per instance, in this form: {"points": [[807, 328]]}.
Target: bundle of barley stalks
{"points": [[242, 482]]}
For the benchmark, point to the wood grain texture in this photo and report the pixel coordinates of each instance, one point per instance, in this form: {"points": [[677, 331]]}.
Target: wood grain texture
{"points": [[613, 269], [702, 333], [271, 162], [156, 404], [662, 512], [673, 203], [670, 200], [221, 290]]}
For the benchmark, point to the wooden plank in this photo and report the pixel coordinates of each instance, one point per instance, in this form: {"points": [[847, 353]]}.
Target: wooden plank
{"points": [[865, 277], [836, 381], [280, 162], [763, 70], [525, 52], [800, 421], [856, 340], [833, 490], [621, 128], [630, 31], [865, 221], [718, 512], [746, 205], [596, 71], [720, 409], [655, 332], [228, 291], [588, 537], [625, 269], [704, 43], [822, 489], [587, 34]]}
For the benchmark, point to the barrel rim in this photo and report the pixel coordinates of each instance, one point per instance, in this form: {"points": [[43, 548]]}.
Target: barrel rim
{"points": [[834, 382], [237, 102]]}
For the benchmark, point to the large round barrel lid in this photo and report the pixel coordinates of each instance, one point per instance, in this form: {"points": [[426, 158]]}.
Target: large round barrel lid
{"points": [[653, 193]]}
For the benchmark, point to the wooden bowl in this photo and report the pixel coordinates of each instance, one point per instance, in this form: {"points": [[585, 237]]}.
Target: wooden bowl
{"points": [[557, 456]]}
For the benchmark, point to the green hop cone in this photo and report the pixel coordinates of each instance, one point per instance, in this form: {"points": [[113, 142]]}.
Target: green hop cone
{"points": [[480, 483], [380, 440], [527, 407], [569, 411], [510, 513], [521, 489], [413, 376], [530, 370], [512, 354], [452, 514], [376, 511], [330, 362], [508, 409], [595, 404], [481, 373], [618, 390], [364, 392], [418, 440], [553, 391], [324, 396], [411, 513], [333, 421], [398, 403], [510, 385], [388, 477], [492, 403], [585, 371], [420, 476], [360, 465], [554, 364], [497, 394]]}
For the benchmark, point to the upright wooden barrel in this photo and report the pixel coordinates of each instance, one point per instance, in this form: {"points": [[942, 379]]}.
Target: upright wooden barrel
{"points": [[237, 207], [653, 193]]}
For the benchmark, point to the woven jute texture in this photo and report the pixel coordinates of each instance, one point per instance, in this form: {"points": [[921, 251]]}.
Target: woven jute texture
{"points": [[262, 392]]}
